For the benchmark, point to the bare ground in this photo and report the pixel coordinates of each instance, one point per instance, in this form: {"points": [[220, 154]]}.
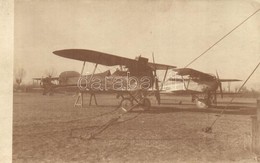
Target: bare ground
{"points": [[50, 129]]}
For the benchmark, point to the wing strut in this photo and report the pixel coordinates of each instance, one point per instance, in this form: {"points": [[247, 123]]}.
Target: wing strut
{"points": [[93, 71], [80, 94], [82, 70], [184, 84], [157, 92], [91, 93], [164, 78]]}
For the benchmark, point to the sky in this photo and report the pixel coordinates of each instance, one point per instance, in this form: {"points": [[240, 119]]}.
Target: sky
{"points": [[175, 31]]}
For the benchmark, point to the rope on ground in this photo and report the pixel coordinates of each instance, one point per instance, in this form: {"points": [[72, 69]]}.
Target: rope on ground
{"points": [[209, 129], [222, 38], [111, 122]]}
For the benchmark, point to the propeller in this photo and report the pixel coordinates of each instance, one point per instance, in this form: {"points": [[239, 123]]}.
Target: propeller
{"points": [[219, 84], [157, 93]]}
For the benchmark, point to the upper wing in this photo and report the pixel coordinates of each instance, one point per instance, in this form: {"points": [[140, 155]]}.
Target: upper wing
{"points": [[194, 73], [94, 57], [104, 58], [52, 78]]}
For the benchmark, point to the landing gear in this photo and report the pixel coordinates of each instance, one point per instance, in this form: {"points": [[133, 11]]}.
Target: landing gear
{"points": [[201, 103], [128, 102]]}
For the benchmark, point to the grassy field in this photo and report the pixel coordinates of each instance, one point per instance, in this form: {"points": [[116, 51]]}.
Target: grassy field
{"points": [[50, 129]]}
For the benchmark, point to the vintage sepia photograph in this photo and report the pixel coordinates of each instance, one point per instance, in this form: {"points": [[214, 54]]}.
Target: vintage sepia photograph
{"points": [[135, 81]]}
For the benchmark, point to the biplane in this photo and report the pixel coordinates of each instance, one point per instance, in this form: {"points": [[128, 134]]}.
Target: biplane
{"points": [[133, 81], [47, 83], [201, 86], [66, 79]]}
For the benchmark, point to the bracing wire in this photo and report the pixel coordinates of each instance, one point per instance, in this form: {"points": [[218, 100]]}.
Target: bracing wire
{"points": [[232, 99], [222, 38]]}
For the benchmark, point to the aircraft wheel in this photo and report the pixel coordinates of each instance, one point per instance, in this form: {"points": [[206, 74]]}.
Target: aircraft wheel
{"points": [[201, 103], [146, 104], [126, 104]]}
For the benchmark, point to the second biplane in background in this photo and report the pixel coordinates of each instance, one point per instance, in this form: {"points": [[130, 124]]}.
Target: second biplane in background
{"points": [[66, 81], [201, 86]]}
